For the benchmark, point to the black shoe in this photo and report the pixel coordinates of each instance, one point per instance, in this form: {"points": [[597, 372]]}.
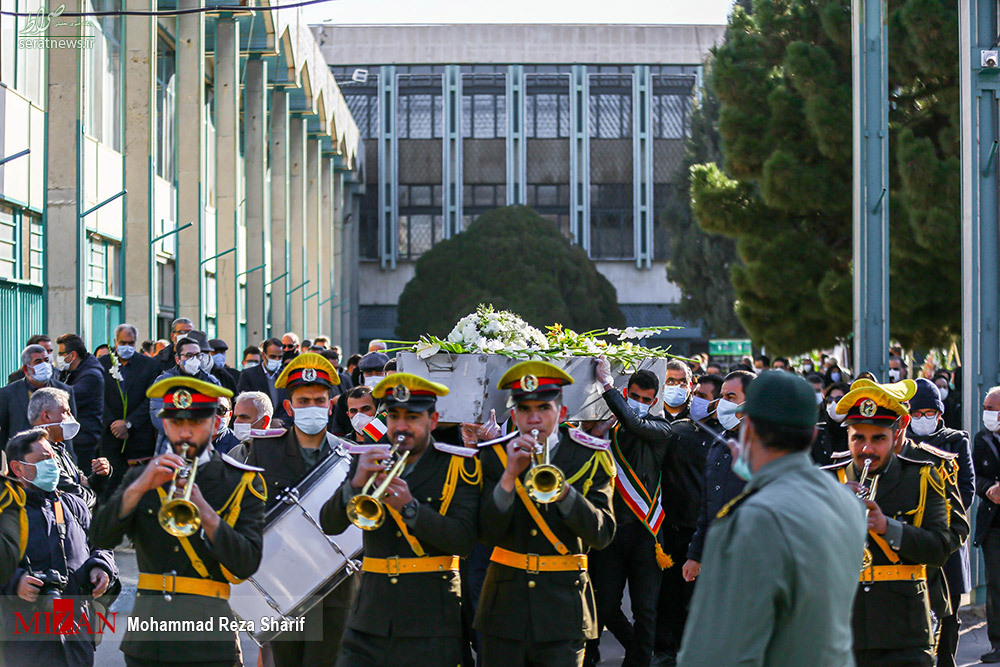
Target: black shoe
{"points": [[663, 659], [992, 656]]}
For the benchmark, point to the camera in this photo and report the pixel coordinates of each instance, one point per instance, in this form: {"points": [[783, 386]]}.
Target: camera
{"points": [[53, 584], [988, 59]]}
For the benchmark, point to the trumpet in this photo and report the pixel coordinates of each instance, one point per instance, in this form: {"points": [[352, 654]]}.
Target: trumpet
{"points": [[367, 512], [867, 493], [178, 515], [545, 482]]}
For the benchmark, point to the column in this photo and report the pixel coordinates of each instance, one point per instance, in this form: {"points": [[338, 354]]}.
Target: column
{"points": [[388, 186], [328, 222], [296, 224], [516, 141], [451, 150], [579, 158], [228, 191], [642, 165], [190, 105], [871, 188], [140, 169], [316, 240], [255, 176], [278, 279], [65, 240]]}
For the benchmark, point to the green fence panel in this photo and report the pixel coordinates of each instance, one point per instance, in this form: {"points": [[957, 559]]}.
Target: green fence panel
{"points": [[21, 316]]}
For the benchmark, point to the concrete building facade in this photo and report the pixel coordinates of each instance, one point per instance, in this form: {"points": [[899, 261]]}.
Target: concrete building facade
{"points": [[584, 123], [203, 165]]}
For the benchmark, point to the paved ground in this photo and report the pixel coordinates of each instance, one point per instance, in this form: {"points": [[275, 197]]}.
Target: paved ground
{"points": [[973, 642]]}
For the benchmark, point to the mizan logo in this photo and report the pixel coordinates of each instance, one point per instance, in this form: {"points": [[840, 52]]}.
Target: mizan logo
{"points": [[61, 621]]}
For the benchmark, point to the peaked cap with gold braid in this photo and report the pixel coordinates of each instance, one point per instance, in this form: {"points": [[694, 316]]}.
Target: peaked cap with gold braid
{"points": [[880, 404], [306, 369], [409, 392], [534, 381]]}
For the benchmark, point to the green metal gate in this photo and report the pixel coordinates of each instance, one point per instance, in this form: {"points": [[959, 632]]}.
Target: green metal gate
{"points": [[21, 316], [105, 315]]}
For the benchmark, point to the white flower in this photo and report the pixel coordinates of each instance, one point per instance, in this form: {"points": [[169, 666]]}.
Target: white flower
{"points": [[427, 349], [116, 372]]}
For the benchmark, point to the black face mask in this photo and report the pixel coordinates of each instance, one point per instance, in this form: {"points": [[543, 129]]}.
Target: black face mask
{"points": [[288, 355]]}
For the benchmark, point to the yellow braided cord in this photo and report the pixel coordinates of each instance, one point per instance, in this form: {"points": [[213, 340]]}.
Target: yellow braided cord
{"points": [[450, 483]]}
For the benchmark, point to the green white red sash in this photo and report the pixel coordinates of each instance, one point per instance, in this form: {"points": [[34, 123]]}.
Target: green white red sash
{"points": [[645, 506]]}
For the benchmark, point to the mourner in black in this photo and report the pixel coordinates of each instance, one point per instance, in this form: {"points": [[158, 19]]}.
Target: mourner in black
{"points": [[286, 457], [635, 556], [57, 561], [409, 608], [831, 432], [928, 439], [986, 457], [537, 605], [185, 574]]}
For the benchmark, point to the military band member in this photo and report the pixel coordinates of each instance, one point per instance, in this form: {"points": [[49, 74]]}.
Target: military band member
{"points": [[537, 604], [186, 578], [408, 610], [13, 523], [286, 457], [907, 528]]}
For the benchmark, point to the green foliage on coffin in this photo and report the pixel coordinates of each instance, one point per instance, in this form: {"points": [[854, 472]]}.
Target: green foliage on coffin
{"points": [[783, 188], [515, 260]]}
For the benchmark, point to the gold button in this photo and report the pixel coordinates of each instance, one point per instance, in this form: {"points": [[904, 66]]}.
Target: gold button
{"points": [[177, 549], [445, 577], [149, 511], [577, 582], [531, 584], [430, 499], [398, 534], [534, 532], [393, 580]]}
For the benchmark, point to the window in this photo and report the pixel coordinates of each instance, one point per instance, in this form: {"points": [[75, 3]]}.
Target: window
{"points": [[364, 110], [8, 244], [36, 249], [23, 68], [611, 220], [104, 74], [419, 114], [671, 102], [610, 108], [8, 44], [484, 106], [165, 70], [421, 223], [546, 106], [102, 267]]}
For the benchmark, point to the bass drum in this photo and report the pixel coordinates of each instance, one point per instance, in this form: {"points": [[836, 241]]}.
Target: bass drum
{"points": [[300, 563]]}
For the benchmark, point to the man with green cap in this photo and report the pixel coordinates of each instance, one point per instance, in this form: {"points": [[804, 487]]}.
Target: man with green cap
{"points": [[781, 561]]}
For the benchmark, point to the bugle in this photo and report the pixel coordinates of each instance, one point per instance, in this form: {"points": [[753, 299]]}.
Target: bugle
{"points": [[366, 510], [545, 482], [178, 515]]}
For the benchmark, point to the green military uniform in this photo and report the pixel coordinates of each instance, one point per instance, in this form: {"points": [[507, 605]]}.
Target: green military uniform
{"points": [[285, 463], [537, 604], [408, 609], [958, 522], [187, 579], [892, 622]]}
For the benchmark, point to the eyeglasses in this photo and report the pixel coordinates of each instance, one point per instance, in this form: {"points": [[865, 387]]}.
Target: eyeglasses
{"points": [[188, 355], [288, 346]]}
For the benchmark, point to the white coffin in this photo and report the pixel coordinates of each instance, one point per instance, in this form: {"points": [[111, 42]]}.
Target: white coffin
{"points": [[472, 379]]}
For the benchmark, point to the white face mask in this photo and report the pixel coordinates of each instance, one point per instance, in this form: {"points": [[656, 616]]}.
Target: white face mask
{"points": [[699, 408], [807, 368], [373, 380], [675, 396], [819, 397], [924, 425], [894, 375], [271, 365], [726, 413], [41, 372], [311, 420], [943, 391], [241, 431], [835, 376], [991, 420], [359, 421], [61, 364], [250, 364], [641, 409], [205, 361], [70, 427], [191, 366], [125, 351], [831, 410]]}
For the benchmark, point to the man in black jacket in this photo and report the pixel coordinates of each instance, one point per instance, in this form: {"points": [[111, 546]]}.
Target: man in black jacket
{"points": [[226, 375], [986, 457], [262, 378], [14, 397], [128, 433], [37, 339], [179, 328], [83, 372], [638, 445]]}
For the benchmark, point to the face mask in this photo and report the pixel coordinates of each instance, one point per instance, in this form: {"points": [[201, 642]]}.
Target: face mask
{"points": [[758, 371], [70, 428], [807, 368], [250, 364], [311, 420], [191, 366], [675, 396], [943, 391], [241, 431], [271, 365], [205, 361], [699, 408], [741, 467], [831, 410], [219, 359], [359, 421], [125, 351], [991, 420], [924, 425], [641, 409], [61, 363], [835, 376], [726, 412], [819, 397], [42, 372], [46, 474], [372, 380], [894, 375]]}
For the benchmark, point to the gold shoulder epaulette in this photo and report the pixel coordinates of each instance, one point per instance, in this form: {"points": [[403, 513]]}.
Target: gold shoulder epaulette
{"points": [[734, 503], [837, 465]]}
